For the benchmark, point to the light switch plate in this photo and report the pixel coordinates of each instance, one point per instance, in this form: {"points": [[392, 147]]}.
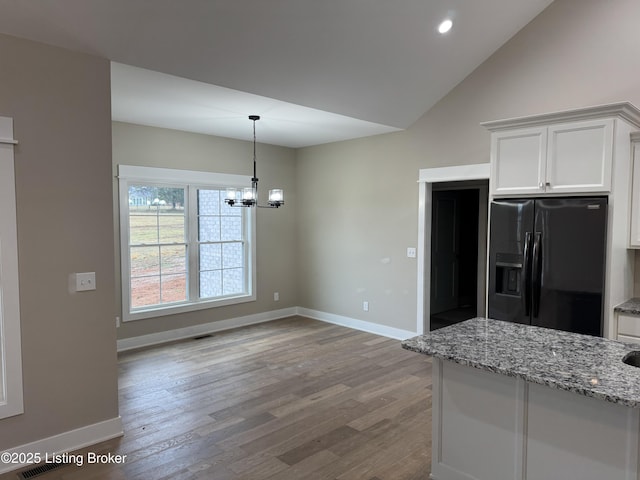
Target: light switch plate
{"points": [[85, 281]]}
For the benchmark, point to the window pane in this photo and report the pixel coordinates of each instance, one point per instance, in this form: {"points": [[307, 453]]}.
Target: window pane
{"points": [[209, 229], [167, 199], [232, 281], [210, 257], [140, 197], [208, 202], [171, 227], [231, 228], [173, 259], [232, 255], [174, 288], [143, 228], [210, 284], [145, 291], [145, 261], [217, 222]]}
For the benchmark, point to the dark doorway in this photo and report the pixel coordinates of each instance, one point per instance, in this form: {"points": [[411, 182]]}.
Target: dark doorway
{"points": [[454, 255]]}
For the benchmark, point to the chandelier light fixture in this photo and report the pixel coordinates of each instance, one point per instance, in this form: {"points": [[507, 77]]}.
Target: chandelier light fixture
{"points": [[248, 197]]}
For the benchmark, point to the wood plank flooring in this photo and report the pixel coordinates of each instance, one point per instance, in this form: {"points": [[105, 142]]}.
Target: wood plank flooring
{"points": [[286, 400]]}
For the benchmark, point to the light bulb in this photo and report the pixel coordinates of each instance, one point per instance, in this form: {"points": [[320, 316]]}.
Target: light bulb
{"points": [[248, 194], [276, 195], [445, 26], [232, 194]]}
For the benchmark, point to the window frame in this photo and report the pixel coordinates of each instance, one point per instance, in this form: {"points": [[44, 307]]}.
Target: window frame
{"points": [[191, 181]]}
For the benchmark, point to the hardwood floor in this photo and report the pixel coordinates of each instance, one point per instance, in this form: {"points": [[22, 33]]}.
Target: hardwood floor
{"points": [[286, 400]]}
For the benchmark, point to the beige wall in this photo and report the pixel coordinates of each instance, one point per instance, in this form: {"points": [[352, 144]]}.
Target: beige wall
{"points": [[276, 269], [60, 102], [576, 53], [359, 206]]}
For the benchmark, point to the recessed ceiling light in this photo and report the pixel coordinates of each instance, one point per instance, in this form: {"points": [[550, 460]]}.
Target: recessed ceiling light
{"points": [[445, 26]]}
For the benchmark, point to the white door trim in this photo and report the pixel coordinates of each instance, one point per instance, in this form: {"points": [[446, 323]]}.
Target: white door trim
{"points": [[427, 177], [11, 393]]}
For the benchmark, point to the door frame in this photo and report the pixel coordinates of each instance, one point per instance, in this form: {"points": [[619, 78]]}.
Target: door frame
{"points": [[427, 177], [11, 386]]}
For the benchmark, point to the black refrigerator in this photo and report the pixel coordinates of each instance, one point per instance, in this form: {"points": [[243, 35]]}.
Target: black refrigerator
{"points": [[546, 262]]}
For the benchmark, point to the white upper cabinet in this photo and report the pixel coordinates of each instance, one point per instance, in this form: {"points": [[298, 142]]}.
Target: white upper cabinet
{"points": [[559, 153], [518, 161], [634, 231], [579, 156]]}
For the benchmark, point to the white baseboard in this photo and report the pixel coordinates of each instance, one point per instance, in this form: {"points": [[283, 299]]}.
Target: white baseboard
{"points": [[203, 329], [356, 324], [66, 442], [212, 327]]}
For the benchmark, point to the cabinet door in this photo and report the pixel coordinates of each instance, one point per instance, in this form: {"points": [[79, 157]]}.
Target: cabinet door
{"points": [[579, 156], [518, 161], [634, 232], [629, 326]]}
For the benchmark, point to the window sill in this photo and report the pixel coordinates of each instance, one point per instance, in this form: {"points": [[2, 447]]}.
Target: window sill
{"points": [[185, 307]]}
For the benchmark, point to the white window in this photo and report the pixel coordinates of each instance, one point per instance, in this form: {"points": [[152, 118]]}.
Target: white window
{"points": [[11, 396], [182, 247]]}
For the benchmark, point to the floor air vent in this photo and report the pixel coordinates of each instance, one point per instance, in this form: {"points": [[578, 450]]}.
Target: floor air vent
{"points": [[39, 470], [200, 337]]}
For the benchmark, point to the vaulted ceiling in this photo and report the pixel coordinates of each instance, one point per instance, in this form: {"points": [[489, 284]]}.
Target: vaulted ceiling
{"points": [[316, 70]]}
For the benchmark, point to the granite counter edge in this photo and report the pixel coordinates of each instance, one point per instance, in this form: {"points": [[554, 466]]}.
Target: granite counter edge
{"points": [[615, 399], [631, 307]]}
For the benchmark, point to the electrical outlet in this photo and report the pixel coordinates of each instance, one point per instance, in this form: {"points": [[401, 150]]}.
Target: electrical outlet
{"points": [[411, 252], [85, 281], [276, 296], [365, 306]]}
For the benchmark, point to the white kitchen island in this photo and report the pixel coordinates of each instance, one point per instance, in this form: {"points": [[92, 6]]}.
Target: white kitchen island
{"points": [[515, 402]]}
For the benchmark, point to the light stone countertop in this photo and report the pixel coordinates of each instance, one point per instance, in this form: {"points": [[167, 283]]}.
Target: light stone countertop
{"points": [[631, 306], [590, 366]]}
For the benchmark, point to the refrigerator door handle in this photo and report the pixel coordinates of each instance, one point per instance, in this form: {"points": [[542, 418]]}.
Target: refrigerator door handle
{"points": [[526, 277], [536, 271]]}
